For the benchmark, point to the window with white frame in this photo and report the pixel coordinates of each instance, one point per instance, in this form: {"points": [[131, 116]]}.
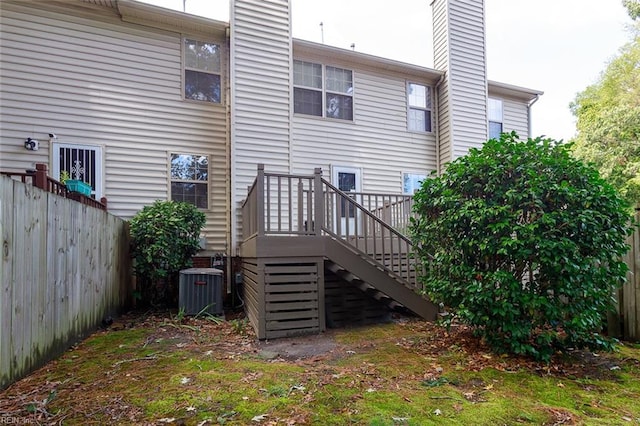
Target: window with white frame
{"points": [[494, 115], [411, 182], [323, 91], [419, 112], [202, 71], [190, 179]]}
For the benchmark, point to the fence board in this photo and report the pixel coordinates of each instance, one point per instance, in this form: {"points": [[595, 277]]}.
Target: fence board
{"points": [[630, 292], [64, 267], [6, 270]]}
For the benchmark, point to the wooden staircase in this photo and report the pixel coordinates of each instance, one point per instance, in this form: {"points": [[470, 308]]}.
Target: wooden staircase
{"points": [[373, 255], [375, 281], [290, 221]]}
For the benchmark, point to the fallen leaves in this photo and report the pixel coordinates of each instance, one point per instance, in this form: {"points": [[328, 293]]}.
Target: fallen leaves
{"points": [[83, 397]]}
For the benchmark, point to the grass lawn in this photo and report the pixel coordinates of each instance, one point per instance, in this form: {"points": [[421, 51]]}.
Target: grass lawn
{"points": [[158, 369]]}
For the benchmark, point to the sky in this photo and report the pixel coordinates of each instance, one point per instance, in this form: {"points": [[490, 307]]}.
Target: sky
{"points": [[557, 46]]}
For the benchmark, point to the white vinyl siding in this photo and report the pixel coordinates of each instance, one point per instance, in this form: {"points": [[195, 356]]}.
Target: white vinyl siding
{"points": [[459, 49], [260, 88], [112, 84], [377, 141], [516, 117]]}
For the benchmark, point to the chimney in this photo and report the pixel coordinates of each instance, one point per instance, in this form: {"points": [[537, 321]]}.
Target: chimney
{"points": [[459, 49], [261, 55]]}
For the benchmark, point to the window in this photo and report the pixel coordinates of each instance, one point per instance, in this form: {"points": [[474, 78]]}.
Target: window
{"points": [[494, 114], [81, 162], [333, 99], [339, 93], [419, 113], [201, 71], [411, 182], [190, 179], [307, 99]]}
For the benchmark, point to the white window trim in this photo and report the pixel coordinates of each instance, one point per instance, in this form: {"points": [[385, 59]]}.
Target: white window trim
{"points": [[409, 107], [325, 92], [501, 114], [184, 68], [410, 172], [55, 163], [170, 180]]}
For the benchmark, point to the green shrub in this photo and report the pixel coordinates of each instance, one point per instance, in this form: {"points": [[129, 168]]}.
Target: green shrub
{"points": [[523, 242], [164, 237]]}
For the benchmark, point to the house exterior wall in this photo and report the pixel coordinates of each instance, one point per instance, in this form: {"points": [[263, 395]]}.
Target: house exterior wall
{"points": [[376, 141], [260, 92], [515, 117], [92, 79], [102, 75], [459, 50]]}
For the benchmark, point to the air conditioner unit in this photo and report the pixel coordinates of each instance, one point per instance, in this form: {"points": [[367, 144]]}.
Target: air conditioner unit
{"points": [[200, 291]]}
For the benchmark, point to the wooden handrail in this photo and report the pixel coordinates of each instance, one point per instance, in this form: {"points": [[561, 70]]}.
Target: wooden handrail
{"points": [[309, 205], [40, 179], [374, 239]]}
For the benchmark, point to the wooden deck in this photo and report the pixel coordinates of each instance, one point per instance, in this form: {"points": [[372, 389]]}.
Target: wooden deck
{"points": [[307, 245]]}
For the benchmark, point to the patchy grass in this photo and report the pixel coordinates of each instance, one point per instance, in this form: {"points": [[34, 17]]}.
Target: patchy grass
{"points": [[164, 370]]}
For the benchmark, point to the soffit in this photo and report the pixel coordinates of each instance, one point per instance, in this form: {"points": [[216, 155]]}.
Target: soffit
{"points": [[511, 91]]}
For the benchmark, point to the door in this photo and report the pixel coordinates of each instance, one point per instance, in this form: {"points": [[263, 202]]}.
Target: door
{"points": [[81, 162], [347, 179]]}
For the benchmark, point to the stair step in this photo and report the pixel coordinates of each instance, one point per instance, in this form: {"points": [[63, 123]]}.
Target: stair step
{"points": [[334, 267]]}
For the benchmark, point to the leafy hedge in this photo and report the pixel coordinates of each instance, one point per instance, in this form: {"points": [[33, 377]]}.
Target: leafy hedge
{"points": [[164, 237], [523, 242]]}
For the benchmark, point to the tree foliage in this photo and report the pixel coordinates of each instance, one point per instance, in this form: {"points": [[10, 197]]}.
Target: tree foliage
{"points": [[633, 8], [523, 242], [164, 237], [608, 122]]}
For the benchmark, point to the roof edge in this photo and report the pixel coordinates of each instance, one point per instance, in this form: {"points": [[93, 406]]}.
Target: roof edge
{"points": [[167, 19], [504, 89], [326, 51]]}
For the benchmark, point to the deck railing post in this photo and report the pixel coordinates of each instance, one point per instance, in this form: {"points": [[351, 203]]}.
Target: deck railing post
{"points": [[318, 202], [260, 200], [41, 176]]}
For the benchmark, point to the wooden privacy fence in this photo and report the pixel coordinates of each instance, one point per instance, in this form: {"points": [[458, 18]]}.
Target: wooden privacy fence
{"points": [[65, 267], [629, 294]]}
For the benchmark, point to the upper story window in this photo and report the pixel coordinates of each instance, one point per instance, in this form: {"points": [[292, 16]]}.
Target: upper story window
{"points": [[202, 71], [190, 179], [323, 91], [494, 115], [419, 113]]}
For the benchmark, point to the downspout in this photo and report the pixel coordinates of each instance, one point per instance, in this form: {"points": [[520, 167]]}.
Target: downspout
{"points": [[529, 105], [228, 182], [437, 121]]}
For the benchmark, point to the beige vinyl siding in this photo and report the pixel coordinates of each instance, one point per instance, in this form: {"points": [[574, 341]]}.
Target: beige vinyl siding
{"points": [[377, 141], [459, 49], [260, 85], [116, 85], [441, 62], [515, 115]]}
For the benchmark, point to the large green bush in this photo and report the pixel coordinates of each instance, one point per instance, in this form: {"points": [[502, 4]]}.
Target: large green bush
{"points": [[164, 237], [523, 242]]}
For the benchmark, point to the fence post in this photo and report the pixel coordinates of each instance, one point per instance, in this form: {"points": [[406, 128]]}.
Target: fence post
{"points": [[318, 202], [260, 200], [41, 176]]}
